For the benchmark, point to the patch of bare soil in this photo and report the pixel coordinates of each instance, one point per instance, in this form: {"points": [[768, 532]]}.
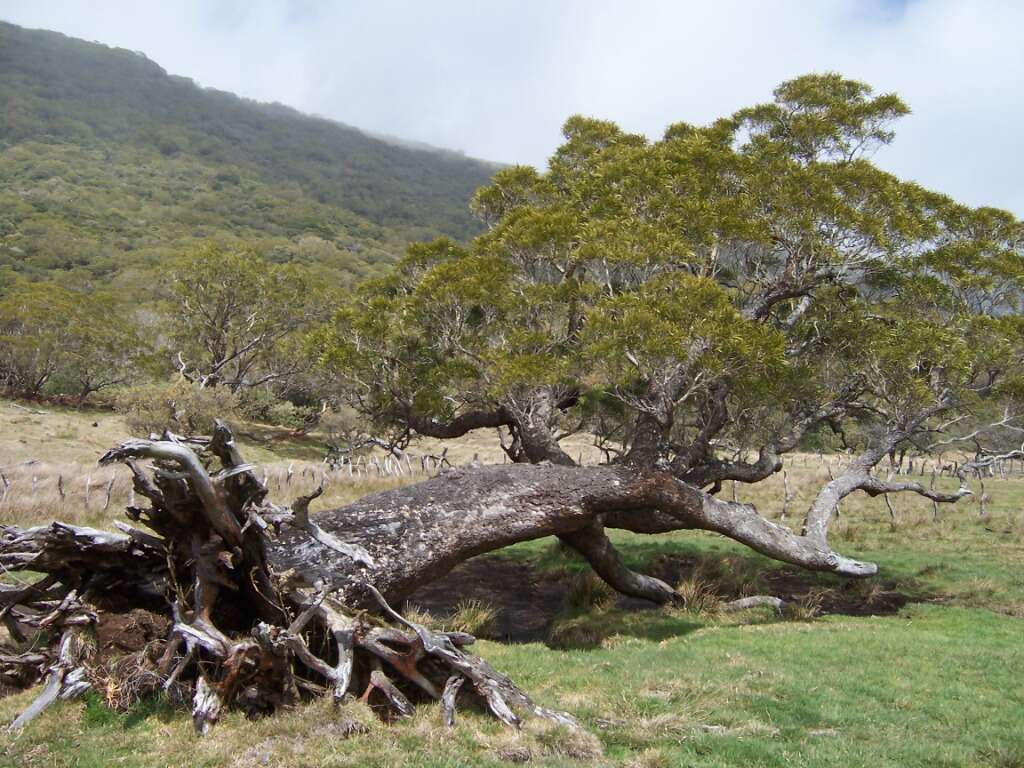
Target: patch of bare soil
{"points": [[118, 634], [847, 599], [850, 597], [527, 601]]}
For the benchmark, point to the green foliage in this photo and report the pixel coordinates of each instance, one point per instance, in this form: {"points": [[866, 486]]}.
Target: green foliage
{"points": [[53, 339], [675, 317], [823, 116], [762, 256], [180, 406], [109, 165], [232, 314]]}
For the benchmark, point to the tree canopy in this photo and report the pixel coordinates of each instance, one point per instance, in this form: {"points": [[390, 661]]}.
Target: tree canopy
{"points": [[235, 319], [704, 302], [81, 343]]}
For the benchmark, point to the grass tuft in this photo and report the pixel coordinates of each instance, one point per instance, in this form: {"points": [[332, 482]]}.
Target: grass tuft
{"points": [[699, 596], [475, 617], [805, 608], [588, 590]]}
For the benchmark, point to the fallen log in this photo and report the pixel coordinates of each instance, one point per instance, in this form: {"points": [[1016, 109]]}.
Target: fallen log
{"points": [[251, 627], [269, 603]]}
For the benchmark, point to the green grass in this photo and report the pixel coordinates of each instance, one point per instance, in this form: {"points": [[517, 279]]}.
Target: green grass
{"points": [[930, 686], [934, 684]]}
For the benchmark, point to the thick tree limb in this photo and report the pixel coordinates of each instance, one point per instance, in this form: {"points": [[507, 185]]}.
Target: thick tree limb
{"points": [[591, 542], [458, 425], [418, 533]]}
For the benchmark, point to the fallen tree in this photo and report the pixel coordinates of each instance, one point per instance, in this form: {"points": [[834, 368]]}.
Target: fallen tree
{"points": [[702, 305], [268, 604], [252, 625]]}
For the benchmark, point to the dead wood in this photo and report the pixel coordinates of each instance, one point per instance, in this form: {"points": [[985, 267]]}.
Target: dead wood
{"points": [[249, 629]]}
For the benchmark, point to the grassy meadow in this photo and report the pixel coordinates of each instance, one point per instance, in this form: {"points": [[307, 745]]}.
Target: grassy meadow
{"points": [[919, 666]]}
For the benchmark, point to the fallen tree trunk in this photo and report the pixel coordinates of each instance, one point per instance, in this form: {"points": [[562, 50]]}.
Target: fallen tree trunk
{"points": [[252, 588], [247, 629], [418, 533]]}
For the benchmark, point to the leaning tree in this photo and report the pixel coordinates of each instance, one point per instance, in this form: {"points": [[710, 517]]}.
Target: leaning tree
{"points": [[699, 304]]}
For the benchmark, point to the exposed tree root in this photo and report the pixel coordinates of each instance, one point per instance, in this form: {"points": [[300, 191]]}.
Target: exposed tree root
{"points": [[242, 635]]}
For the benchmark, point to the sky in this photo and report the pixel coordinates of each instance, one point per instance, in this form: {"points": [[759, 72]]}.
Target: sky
{"points": [[496, 80]]}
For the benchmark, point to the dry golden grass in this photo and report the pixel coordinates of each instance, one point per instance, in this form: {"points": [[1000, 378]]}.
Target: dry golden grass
{"points": [[48, 457], [86, 494], [473, 616]]}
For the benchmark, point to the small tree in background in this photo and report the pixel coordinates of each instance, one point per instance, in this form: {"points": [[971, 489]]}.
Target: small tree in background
{"points": [[55, 340], [232, 315]]}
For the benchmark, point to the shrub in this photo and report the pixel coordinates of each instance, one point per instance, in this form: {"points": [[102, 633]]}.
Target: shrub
{"points": [[265, 406], [256, 404], [181, 407]]}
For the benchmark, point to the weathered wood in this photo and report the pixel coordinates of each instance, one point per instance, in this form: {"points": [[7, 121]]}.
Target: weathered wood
{"points": [[246, 631], [451, 691], [66, 678], [206, 706]]}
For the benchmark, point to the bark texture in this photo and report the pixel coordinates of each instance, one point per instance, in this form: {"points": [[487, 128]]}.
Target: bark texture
{"points": [[251, 625], [418, 533]]}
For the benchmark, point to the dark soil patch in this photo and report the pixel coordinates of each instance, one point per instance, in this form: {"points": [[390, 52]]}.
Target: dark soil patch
{"points": [[528, 601], [118, 634], [849, 597]]}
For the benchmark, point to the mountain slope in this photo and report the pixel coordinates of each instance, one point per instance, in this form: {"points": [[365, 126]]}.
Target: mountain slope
{"points": [[107, 162]]}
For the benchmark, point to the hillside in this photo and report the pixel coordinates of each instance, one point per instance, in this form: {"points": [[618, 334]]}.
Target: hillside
{"points": [[107, 162]]}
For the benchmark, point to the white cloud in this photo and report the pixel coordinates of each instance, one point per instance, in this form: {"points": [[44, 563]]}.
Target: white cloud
{"points": [[498, 80]]}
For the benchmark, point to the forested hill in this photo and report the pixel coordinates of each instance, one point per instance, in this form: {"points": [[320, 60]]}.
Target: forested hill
{"points": [[108, 163]]}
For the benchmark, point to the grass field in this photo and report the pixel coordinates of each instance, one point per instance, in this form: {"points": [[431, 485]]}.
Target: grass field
{"points": [[926, 674]]}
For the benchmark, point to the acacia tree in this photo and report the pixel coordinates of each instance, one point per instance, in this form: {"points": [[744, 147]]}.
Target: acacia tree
{"points": [[700, 304], [235, 316]]}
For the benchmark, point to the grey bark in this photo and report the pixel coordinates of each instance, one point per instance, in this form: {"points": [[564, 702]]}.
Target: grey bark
{"points": [[418, 533]]}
